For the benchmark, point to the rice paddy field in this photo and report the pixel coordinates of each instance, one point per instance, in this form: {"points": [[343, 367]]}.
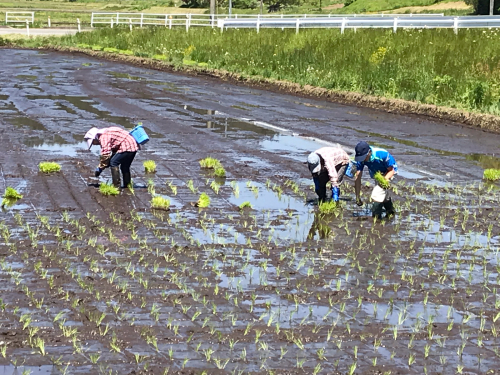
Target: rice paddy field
{"points": [[240, 273]]}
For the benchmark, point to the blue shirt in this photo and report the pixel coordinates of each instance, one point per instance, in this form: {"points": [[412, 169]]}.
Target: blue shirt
{"points": [[380, 161]]}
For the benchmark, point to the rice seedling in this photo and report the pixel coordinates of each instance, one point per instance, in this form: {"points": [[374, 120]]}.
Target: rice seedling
{"points": [[491, 174], [381, 181], [160, 203], [329, 207], [220, 172], [108, 189], [203, 201], [49, 167], [210, 163], [149, 166], [245, 204], [10, 196]]}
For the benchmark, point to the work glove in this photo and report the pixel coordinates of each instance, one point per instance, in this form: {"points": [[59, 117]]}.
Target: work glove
{"points": [[359, 202], [335, 193], [98, 172]]}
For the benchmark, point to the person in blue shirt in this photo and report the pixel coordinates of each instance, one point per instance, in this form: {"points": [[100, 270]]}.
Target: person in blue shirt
{"points": [[377, 160]]}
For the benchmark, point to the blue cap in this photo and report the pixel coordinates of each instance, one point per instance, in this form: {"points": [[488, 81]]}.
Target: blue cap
{"points": [[362, 149]]}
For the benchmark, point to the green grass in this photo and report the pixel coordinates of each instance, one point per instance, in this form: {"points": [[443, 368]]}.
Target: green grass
{"points": [[381, 181], [364, 6], [108, 189], [49, 167], [492, 174], [203, 201], [427, 66], [149, 166], [160, 202]]}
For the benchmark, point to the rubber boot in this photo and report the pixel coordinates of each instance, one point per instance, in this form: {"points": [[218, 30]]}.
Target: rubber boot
{"points": [[115, 175], [126, 179], [377, 210], [389, 208]]}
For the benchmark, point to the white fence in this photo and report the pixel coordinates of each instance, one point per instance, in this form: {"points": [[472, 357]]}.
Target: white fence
{"points": [[20, 17], [188, 20], [342, 23]]}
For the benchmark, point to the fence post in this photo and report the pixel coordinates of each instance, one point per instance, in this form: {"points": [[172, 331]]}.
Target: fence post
{"points": [[117, 18], [342, 26], [48, 21], [79, 26], [28, 28], [170, 22], [395, 27], [142, 19], [92, 20], [130, 23], [166, 19], [455, 25], [283, 29], [297, 26], [258, 24], [111, 22]]}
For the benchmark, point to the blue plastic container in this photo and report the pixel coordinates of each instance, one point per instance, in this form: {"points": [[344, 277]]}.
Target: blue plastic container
{"points": [[139, 135], [350, 171]]}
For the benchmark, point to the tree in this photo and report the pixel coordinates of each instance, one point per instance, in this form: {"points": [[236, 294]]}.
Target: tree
{"points": [[483, 6]]}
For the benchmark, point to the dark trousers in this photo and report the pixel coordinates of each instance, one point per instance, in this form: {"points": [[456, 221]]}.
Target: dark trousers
{"points": [[322, 179], [122, 159]]}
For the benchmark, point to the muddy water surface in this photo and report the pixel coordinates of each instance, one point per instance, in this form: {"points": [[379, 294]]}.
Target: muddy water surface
{"points": [[94, 284]]}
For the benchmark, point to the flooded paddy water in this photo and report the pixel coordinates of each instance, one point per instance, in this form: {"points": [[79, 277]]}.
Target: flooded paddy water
{"points": [[105, 285]]}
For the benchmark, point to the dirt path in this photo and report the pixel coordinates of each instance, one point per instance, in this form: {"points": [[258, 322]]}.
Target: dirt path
{"points": [[110, 286]]}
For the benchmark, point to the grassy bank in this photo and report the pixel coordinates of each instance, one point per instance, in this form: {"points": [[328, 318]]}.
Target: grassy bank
{"points": [[428, 66]]}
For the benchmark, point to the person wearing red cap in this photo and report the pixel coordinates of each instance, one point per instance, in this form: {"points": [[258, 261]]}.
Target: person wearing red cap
{"points": [[377, 160], [118, 149]]}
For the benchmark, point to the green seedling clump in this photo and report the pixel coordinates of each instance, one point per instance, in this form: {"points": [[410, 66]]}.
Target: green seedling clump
{"points": [[160, 202], [203, 201], [49, 167], [246, 204], [381, 181], [108, 189], [220, 172], [210, 163], [492, 174], [149, 166], [328, 207], [10, 196]]}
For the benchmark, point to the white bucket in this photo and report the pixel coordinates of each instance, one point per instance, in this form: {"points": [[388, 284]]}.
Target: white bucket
{"points": [[379, 194]]}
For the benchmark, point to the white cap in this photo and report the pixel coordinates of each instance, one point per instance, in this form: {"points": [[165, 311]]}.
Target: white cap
{"points": [[314, 162], [91, 135]]}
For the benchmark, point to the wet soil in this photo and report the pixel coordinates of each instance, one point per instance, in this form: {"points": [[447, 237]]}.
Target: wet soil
{"points": [[95, 284]]}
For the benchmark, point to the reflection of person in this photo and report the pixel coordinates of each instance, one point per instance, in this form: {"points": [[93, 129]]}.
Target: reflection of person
{"points": [[377, 160], [118, 149], [328, 164], [321, 227]]}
